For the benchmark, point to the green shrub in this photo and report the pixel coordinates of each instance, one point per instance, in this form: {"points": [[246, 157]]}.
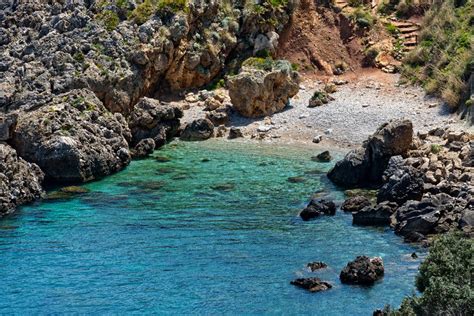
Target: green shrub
{"points": [[362, 18], [259, 63], [445, 279], [110, 19], [147, 8], [392, 29], [435, 148]]}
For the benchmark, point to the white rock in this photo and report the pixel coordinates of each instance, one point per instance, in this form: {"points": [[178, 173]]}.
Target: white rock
{"points": [[264, 129]]}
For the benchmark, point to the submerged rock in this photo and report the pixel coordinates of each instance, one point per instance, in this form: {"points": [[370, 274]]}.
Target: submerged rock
{"points": [[316, 208], [363, 270], [74, 190], [296, 179], [223, 187], [263, 87], [312, 284]]}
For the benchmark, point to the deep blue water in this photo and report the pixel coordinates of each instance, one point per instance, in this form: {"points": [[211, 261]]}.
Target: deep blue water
{"points": [[214, 230]]}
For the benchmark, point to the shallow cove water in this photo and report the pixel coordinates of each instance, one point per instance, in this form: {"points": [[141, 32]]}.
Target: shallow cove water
{"points": [[200, 228]]}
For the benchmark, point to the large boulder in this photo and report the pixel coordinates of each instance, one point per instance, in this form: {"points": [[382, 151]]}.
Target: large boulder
{"points": [[263, 87], [73, 139], [200, 129], [20, 181], [365, 166], [363, 270], [151, 119], [316, 208], [402, 183]]}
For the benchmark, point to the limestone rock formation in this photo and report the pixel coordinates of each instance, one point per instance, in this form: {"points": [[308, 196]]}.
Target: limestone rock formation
{"points": [[363, 270], [20, 181], [263, 87], [73, 139]]}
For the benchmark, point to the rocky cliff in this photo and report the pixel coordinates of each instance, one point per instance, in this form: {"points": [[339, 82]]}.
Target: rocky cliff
{"points": [[73, 73]]}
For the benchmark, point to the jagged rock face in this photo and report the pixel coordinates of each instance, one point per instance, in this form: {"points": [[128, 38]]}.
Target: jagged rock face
{"points": [[402, 183], [73, 139], [365, 166], [151, 119], [20, 181], [257, 92], [51, 47]]}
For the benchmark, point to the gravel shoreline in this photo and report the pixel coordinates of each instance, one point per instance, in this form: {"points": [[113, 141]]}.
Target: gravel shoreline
{"points": [[359, 108]]}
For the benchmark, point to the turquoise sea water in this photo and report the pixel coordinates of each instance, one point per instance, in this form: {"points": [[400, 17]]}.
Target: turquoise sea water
{"points": [[211, 230]]}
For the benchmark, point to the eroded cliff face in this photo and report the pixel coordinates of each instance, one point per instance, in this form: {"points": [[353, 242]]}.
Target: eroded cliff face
{"points": [[72, 71], [51, 48]]}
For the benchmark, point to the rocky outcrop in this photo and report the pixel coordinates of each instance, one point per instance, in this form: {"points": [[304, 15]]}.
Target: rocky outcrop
{"points": [[122, 52], [312, 284], [363, 270], [73, 139], [67, 66], [151, 119], [365, 166], [200, 129], [20, 181], [317, 208], [427, 190], [263, 87]]}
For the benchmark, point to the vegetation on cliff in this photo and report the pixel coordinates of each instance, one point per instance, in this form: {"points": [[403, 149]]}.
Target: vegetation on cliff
{"points": [[443, 60], [445, 280]]}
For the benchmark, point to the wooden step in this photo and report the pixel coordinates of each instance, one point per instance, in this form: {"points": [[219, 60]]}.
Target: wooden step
{"points": [[408, 29], [410, 35], [410, 43]]}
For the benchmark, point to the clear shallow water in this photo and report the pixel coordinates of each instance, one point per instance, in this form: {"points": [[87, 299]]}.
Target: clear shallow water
{"points": [[212, 231]]}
